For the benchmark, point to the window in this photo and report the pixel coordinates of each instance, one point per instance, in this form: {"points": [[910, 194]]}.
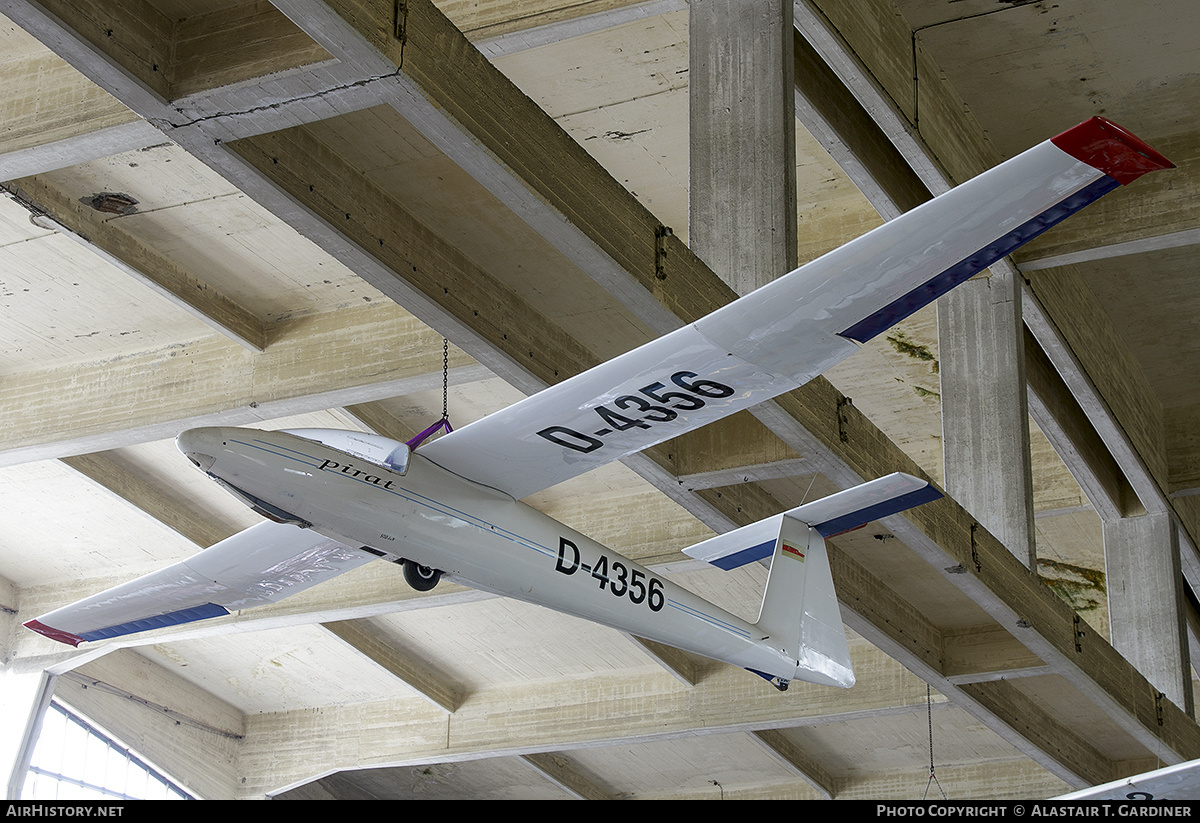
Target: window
{"points": [[73, 760]]}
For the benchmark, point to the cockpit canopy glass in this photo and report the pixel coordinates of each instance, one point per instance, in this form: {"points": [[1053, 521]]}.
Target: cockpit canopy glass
{"points": [[374, 448]]}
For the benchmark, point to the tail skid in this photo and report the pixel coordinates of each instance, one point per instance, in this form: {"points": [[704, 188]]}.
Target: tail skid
{"points": [[800, 615]]}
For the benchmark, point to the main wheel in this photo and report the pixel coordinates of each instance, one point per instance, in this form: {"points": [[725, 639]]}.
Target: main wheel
{"points": [[421, 578]]}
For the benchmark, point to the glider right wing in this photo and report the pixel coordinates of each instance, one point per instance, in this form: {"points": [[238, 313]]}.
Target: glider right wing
{"points": [[786, 333]]}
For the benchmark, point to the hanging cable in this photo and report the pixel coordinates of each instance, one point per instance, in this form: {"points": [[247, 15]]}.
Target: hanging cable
{"points": [[444, 423], [446, 381], [932, 777]]}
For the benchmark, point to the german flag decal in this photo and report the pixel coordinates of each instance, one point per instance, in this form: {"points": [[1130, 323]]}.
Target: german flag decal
{"points": [[790, 551]]}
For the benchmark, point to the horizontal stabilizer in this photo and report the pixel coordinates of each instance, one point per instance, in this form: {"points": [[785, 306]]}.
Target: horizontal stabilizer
{"points": [[828, 516], [262, 564]]}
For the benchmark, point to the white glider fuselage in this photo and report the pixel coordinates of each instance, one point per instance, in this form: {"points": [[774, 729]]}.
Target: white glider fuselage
{"points": [[477, 534]]}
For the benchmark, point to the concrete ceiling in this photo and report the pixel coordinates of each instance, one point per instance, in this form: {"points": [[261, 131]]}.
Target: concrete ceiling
{"points": [[244, 212]]}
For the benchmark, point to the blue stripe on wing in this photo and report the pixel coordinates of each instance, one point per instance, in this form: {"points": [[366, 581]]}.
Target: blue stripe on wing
{"points": [[175, 618], [747, 555], [861, 517], [964, 270]]}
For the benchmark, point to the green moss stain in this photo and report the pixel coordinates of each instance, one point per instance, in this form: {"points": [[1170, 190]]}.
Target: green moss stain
{"points": [[902, 344], [1081, 588]]}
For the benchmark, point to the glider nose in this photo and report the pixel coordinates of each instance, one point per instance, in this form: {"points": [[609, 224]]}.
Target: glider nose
{"points": [[200, 446]]}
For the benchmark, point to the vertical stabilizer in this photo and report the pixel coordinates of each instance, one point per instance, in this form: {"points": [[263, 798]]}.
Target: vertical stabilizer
{"points": [[800, 611]]}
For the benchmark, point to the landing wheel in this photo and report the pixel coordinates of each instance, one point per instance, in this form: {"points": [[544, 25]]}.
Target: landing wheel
{"points": [[421, 578]]}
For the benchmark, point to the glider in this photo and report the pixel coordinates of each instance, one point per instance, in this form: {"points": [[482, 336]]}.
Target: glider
{"points": [[335, 500]]}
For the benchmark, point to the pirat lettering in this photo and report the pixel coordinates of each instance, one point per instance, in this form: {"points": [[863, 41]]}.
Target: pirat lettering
{"points": [[348, 469]]}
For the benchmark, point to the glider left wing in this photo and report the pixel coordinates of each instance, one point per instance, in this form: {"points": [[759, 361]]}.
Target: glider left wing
{"points": [[786, 333], [265, 563]]}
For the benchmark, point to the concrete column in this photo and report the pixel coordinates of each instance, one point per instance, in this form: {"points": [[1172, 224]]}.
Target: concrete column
{"points": [[985, 416], [1144, 582], [742, 219]]}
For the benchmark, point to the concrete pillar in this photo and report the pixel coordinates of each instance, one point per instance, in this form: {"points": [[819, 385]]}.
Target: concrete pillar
{"points": [[1144, 582], [985, 416], [742, 219]]}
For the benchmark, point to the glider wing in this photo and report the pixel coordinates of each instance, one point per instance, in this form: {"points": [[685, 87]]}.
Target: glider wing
{"points": [[264, 563], [786, 333]]}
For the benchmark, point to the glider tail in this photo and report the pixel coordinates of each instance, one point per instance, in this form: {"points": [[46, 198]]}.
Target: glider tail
{"points": [[800, 615]]}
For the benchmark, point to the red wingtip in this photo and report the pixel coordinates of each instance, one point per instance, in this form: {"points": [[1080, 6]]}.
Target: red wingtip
{"points": [[1107, 147], [53, 634]]}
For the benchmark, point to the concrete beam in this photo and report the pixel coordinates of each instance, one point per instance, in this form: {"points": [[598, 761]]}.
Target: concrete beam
{"points": [[803, 765], [69, 119], [499, 29], [1060, 417], [751, 473], [234, 44], [1183, 450], [517, 152], [1043, 730], [1086, 350], [825, 106], [947, 538], [53, 209], [982, 653], [110, 472], [558, 770], [317, 362], [871, 49], [359, 636], [605, 710], [727, 445], [811, 407], [676, 663], [102, 141], [1140, 245]]}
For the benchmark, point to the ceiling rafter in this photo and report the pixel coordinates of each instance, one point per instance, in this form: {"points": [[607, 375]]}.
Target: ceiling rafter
{"points": [[312, 365], [412, 672], [110, 472], [623, 708], [52, 208], [560, 771], [806, 767], [690, 291]]}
